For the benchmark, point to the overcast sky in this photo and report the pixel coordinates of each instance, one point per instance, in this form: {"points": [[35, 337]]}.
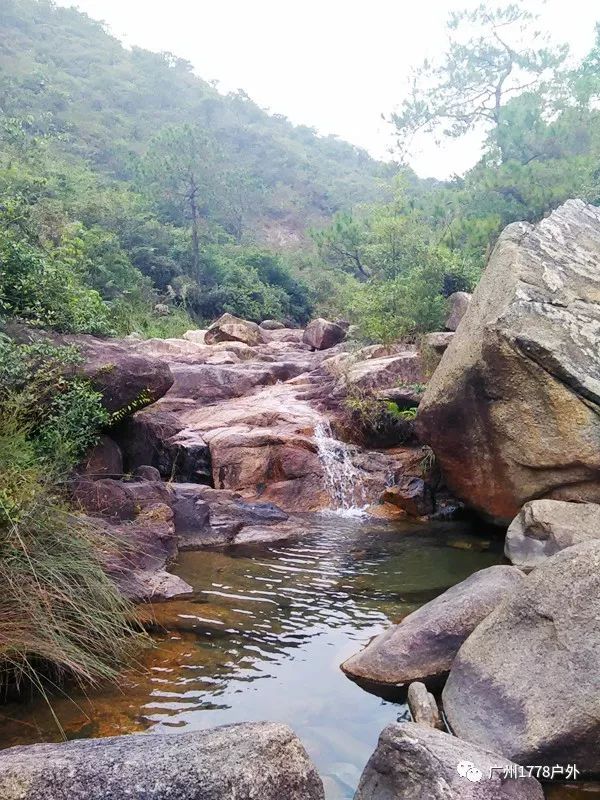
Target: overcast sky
{"points": [[335, 65]]}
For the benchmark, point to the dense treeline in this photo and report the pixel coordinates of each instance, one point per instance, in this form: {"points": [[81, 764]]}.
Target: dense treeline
{"points": [[123, 172]]}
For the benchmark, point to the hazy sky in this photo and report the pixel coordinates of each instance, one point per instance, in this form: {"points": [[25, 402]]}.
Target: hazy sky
{"points": [[335, 65]]}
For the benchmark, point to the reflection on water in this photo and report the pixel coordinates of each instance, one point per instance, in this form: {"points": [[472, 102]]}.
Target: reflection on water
{"points": [[263, 637]]}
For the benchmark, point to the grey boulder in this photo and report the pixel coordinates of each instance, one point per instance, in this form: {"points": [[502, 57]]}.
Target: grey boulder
{"points": [[414, 762], [235, 762], [545, 527], [526, 683], [422, 647]]}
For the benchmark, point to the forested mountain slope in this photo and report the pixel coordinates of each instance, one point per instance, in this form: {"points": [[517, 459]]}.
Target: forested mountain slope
{"points": [[106, 103]]}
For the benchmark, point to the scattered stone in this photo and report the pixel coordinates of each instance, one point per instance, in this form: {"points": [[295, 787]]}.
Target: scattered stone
{"points": [[525, 683], [422, 647], [252, 760], [320, 334], [104, 497], [512, 410], [146, 473], [439, 341], [545, 527], [458, 304], [196, 336], [423, 707], [233, 329], [413, 762], [209, 517], [272, 325], [104, 460], [377, 373]]}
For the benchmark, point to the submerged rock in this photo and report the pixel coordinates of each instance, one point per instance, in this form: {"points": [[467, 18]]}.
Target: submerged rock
{"points": [[320, 334], [512, 412], [233, 329], [545, 527], [422, 647], [414, 762], [252, 760], [526, 682]]}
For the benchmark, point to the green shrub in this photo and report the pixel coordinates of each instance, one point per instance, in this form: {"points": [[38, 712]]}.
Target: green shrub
{"points": [[59, 612], [45, 291]]}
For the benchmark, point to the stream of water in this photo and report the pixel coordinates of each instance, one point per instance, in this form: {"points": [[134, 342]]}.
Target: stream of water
{"points": [[263, 636]]}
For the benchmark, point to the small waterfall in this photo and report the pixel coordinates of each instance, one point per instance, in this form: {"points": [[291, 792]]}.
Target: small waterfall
{"points": [[343, 480]]}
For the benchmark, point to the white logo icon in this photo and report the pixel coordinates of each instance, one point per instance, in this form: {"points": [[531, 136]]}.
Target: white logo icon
{"points": [[469, 771]]}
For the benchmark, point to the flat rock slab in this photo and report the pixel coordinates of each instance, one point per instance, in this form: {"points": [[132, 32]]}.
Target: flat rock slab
{"points": [[526, 683], [545, 527], [423, 646], [250, 761], [413, 762]]}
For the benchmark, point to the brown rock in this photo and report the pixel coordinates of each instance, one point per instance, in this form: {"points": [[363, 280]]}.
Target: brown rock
{"points": [[413, 495], [512, 410], [104, 497], [439, 341], [104, 460], [320, 334]]}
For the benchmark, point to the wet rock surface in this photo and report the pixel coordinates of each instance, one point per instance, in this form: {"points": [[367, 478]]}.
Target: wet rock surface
{"points": [[252, 760]]}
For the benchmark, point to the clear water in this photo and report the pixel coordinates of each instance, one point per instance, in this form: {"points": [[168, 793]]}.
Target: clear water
{"points": [[342, 478], [263, 637]]}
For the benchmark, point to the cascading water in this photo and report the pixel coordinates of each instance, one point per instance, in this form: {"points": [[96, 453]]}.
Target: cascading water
{"points": [[343, 480]]}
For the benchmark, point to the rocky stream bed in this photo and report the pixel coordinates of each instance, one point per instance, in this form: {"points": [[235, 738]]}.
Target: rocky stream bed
{"points": [[267, 539]]}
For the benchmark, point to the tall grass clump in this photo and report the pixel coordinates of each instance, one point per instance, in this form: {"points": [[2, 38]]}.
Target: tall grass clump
{"points": [[60, 615]]}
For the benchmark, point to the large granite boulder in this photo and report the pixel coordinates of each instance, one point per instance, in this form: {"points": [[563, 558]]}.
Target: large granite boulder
{"points": [[526, 683], [512, 411], [233, 329], [252, 760], [458, 303], [422, 647], [414, 762], [320, 334], [544, 527]]}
